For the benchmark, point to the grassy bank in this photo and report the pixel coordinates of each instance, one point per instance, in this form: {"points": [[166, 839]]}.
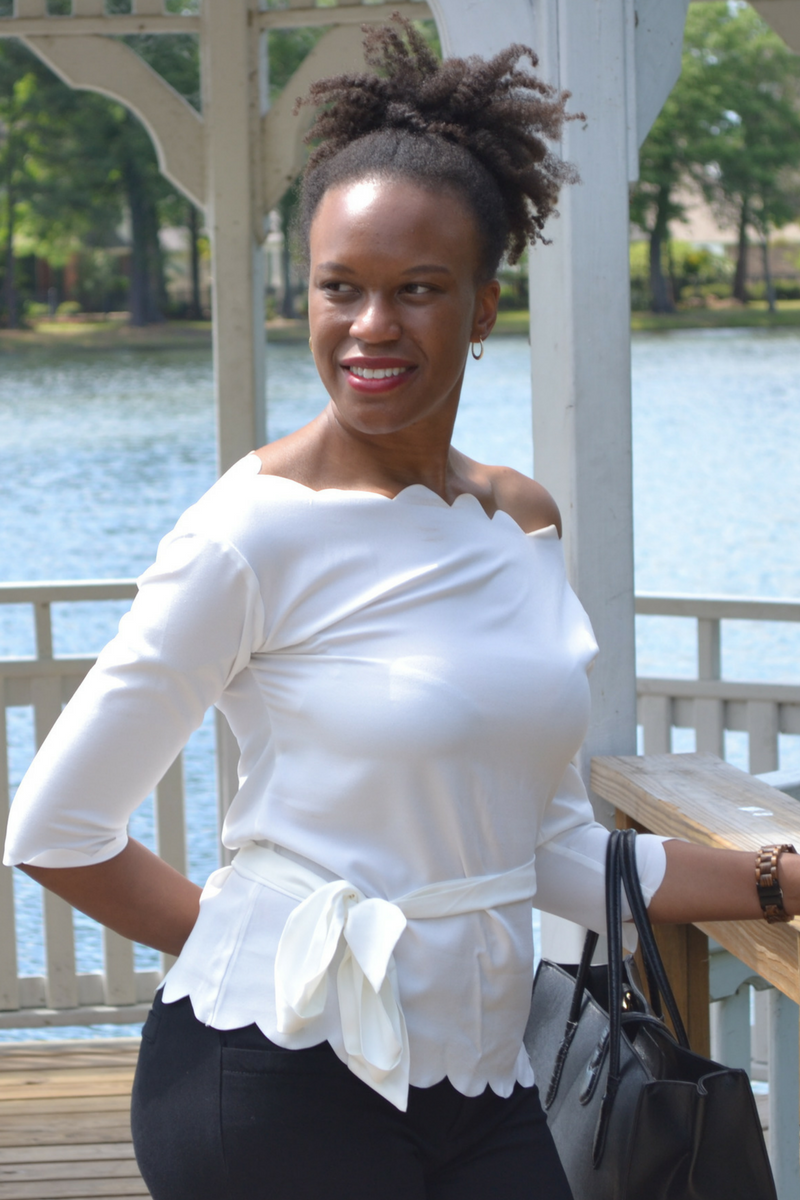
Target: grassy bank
{"points": [[754, 316], [117, 333]]}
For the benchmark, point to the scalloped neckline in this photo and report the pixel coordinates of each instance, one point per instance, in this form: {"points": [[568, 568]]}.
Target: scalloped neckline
{"points": [[416, 493]]}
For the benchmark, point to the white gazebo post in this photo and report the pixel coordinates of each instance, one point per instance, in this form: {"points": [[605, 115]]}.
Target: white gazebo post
{"points": [[616, 62], [232, 103]]}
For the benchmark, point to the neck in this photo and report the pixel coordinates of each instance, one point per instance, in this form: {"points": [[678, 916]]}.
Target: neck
{"points": [[387, 462]]}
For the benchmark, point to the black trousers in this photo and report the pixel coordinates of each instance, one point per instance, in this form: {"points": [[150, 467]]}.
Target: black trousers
{"points": [[231, 1116]]}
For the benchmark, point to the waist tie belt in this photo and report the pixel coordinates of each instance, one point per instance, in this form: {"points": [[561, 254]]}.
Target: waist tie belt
{"points": [[332, 913]]}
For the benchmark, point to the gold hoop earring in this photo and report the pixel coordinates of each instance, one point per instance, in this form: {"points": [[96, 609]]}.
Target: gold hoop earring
{"points": [[311, 348], [477, 357]]}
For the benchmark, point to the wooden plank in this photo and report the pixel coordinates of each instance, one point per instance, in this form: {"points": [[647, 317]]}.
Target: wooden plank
{"points": [[705, 800], [698, 797], [80, 1189], [709, 723], [43, 1086], [62, 982], [65, 1120], [55, 1130], [170, 823], [56, 590], [49, 1154], [119, 983], [83, 1014], [655, 714], [83, 1168], [63, 1104], [716, 608], [9, 988], [30, 8], [88, 8], [762, 728], [68, 1077], [111, 1050], [717, 689]]}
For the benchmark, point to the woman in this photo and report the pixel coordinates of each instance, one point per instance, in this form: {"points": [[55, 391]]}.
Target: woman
{"points": [[387, 626]]}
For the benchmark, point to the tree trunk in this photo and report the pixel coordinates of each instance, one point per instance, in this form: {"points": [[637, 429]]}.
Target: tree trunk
{"points": [[660, 291], [287, 299], [195, 312], [139, 266], [740, 277], [147, 270], [10, 289], [768, 281]]}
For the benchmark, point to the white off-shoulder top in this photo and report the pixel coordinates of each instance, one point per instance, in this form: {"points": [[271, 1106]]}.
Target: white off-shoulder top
{"points": [[407, 682]]}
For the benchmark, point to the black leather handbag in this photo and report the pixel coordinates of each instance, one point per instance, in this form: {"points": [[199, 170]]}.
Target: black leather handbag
{"points": [[635, 1114]]}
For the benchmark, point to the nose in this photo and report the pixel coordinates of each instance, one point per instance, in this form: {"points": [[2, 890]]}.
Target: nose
{"points": [[376, 322]]}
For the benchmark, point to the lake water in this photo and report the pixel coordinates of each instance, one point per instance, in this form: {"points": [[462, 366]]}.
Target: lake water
{"points": [[101, 451]]}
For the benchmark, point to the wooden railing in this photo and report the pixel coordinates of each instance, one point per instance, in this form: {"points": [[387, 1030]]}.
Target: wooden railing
{"points": [[44, 683], [702, 799], [710, 704], [63, 996], [37, 17]]}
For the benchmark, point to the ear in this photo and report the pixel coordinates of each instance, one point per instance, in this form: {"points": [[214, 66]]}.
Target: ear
{"points": [[487, 298]]}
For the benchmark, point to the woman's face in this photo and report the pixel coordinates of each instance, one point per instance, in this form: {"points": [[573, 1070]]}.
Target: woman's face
{"points": [[394, 303]]}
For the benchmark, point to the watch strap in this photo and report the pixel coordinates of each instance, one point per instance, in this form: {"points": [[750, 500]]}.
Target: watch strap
{"points": [[770, 893]]}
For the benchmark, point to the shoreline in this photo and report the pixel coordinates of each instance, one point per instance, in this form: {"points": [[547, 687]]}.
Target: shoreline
{"points": [[115, 333]]}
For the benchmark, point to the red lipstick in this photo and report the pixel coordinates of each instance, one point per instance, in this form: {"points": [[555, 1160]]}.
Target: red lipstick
{"points": [[376, 375]]}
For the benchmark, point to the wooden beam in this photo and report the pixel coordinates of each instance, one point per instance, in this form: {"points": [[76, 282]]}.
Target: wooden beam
{"points": [[702, 799], [351, 14], [282, 130], [89, 26], [114, 69], [234, 219]]}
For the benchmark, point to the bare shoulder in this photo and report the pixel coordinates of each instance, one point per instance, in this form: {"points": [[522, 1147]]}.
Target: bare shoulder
{"points": [[530, 504]]}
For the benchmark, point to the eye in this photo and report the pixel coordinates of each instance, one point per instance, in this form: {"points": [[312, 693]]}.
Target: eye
{"points": [[337, 287], [418, 289]]}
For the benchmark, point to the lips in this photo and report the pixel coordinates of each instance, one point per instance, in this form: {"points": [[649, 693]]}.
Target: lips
{"points": [[377, 374]]}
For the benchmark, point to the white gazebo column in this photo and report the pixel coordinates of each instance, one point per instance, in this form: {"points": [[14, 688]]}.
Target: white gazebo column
{"points": [[580, 351], [231, 106], [580, 313]]}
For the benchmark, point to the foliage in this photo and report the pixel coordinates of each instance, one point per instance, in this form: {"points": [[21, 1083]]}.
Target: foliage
{"points": [[732, 126], [694, 273], [752, 149]]}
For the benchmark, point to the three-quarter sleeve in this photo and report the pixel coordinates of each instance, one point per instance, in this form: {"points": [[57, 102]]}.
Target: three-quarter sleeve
{"points": [[193, 626], [571, 857]]}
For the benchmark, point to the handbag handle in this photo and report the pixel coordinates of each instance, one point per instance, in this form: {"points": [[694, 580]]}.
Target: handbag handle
{"points": [[657, 978], [621, 868]]}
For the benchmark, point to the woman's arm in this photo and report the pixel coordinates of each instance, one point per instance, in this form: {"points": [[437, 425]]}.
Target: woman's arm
{"points": [[704, 884], [135, 893]]}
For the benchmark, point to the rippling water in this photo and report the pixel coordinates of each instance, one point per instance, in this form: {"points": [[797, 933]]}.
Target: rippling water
{"points": [[100, 451]]}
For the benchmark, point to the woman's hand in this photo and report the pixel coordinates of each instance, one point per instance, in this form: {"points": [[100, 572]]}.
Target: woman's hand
{"points": [[136, 894], [704, 884]]}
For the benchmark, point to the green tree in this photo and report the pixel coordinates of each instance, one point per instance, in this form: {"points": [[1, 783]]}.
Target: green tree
{"points": [[668, 155], [56, 188], [750, 153], [72, 163]]}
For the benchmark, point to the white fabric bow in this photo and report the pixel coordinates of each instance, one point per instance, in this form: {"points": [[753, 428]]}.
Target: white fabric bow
{"points": [[373, 1025], [335, 917]]}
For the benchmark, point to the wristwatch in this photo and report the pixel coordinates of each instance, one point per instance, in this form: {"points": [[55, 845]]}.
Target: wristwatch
{"points": [[770, 894]]}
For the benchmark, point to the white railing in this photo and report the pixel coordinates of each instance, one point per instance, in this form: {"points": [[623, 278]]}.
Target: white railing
{"points": [[63, 996], [767, 1048], [710, 704], [44, 683]]}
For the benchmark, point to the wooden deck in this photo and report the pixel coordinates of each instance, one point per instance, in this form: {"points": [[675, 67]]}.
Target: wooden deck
{"points": [[64, 1120]]}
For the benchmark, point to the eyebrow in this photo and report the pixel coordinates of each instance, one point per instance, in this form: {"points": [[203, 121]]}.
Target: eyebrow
{"points": [[423, 268]]}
